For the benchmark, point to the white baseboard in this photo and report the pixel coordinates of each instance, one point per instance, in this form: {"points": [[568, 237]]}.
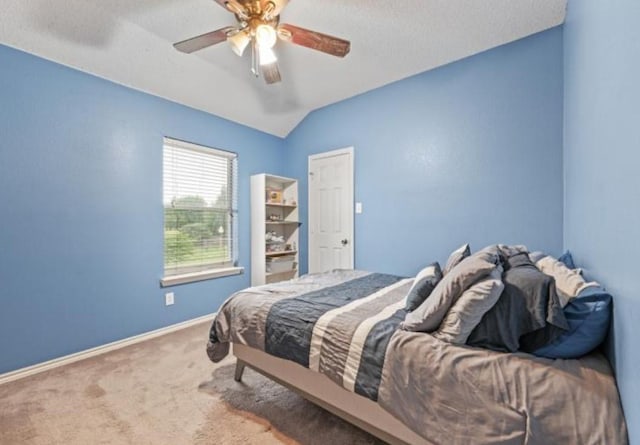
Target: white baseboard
{"points": [[82, 355]]}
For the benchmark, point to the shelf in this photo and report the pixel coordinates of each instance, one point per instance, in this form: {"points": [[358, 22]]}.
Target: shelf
{"points": [[282, 223], [275, 204], [285, 252], [281, 276], [284, 272], [279, 181]]}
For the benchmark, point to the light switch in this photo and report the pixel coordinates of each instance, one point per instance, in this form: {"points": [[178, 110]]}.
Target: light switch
{"points": [[358, 207]]}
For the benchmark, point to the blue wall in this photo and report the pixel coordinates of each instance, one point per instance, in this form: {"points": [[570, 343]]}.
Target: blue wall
{"points": [[468, 152], [602, 155], [81, 199]]}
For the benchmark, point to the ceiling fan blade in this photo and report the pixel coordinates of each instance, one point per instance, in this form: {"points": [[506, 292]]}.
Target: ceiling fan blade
{"points": [[314, 40], [271, 73], [209, 39], [235, 7]]}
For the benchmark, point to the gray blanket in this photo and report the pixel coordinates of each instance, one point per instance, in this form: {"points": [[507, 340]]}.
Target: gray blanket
{"points": [[528, 314], [343, 324]]}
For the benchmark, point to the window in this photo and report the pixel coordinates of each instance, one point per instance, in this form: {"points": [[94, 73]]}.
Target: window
{"points": [[200, 212]]}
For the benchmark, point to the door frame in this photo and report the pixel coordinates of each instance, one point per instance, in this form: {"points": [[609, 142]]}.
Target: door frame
{"points": [[350, 151]]}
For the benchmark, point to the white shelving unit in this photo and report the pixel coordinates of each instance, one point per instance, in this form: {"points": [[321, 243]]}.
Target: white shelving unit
{"points": [[274, 210]]}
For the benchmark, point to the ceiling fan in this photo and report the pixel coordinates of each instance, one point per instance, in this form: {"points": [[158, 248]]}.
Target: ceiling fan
{"points": [[259, 26]]}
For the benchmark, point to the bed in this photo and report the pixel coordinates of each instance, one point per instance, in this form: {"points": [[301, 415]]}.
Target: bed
{"points": [[334, 338]]}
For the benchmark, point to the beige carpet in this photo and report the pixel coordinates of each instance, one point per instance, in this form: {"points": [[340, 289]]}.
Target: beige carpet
{"points": [[163, 391]]}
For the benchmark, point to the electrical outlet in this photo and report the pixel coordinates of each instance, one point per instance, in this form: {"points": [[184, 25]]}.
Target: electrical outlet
{"points": [[169, 299]]}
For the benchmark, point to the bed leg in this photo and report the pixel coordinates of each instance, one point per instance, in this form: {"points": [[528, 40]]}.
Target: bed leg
{"points": [[239, 371]]}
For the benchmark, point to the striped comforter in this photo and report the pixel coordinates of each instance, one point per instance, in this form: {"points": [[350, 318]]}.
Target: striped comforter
{"points": [[338, 324], [343, 324]]}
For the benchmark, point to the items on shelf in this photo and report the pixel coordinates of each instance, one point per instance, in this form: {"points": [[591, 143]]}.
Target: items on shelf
{"points": [[274, 242], [281, 264], [274, 196]]}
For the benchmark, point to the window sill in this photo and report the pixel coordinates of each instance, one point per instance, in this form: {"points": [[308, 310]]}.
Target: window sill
{"points": [[200, 276]]}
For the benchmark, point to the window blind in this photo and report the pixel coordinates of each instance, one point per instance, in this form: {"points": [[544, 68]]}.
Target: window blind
{"points": [[200, 208]]}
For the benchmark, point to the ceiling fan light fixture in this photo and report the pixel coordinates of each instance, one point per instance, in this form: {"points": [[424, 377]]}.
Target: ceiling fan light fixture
{"points": [[267, 56], [239, 42], [266, 36]]}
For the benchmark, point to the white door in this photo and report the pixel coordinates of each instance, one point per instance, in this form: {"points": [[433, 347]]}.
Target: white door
{"points": [[331, 241]]}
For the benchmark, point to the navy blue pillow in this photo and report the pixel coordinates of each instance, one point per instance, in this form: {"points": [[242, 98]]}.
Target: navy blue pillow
{"points": [[567, 260], [589, 316]]}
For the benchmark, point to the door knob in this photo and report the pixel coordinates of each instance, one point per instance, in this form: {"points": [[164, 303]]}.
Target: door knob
{"points": [[345, 242]]}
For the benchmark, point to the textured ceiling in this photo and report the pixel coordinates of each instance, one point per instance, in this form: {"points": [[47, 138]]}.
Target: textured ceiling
{"points": [[129, 42]]}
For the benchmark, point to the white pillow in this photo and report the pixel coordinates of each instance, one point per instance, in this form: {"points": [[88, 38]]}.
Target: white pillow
{"points": [[536, 256], [569, 282]]}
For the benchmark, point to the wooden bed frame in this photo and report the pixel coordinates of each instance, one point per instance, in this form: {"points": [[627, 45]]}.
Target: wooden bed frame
{"points": [[318, 389]]}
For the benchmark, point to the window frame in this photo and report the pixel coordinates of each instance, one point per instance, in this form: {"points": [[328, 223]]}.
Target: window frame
{"points": [[228, 268]]}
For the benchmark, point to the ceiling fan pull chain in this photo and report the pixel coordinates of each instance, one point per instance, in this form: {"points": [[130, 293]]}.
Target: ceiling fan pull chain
{"points": [[255, 58]]}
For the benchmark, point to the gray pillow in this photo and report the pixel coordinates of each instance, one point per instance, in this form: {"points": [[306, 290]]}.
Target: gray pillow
{"points": [[428, 316], [456, 257], [423, 285], [509, 251], [467, 312]]}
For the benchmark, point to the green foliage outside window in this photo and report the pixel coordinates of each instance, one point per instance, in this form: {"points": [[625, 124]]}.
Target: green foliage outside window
{"points": [[195, 233]]}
